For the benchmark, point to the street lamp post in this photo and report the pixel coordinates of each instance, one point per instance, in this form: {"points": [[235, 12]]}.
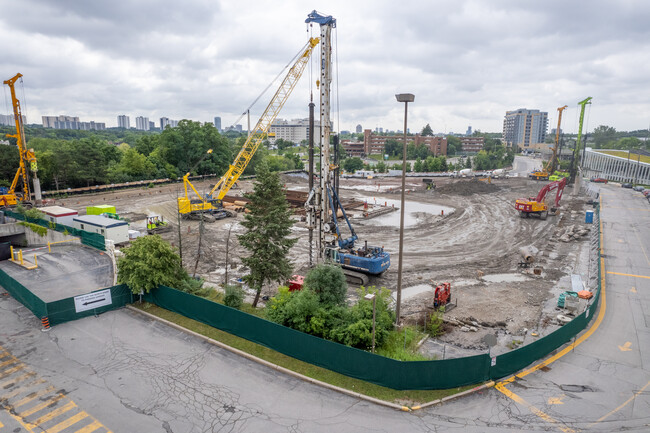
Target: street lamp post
{"points": [[405, 98], [373, 297]]}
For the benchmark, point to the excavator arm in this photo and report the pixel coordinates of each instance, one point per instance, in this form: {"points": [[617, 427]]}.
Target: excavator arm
{"points": [[260, 131]]}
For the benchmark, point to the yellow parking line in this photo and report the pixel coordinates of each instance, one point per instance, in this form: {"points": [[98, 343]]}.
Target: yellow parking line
{"points": [[628, 275], [12, 370], [15, 380], [41, 406], [621, 406], [32, 396], [56, 412], [20, 390], [543, 415], [90, 427], [67, 423], [6, 363]]}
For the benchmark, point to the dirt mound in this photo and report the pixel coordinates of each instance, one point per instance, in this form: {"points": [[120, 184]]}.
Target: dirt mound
{"points": [[467, 187]]}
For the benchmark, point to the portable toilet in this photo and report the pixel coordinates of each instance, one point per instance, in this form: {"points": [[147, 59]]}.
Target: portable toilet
{"points": [[112, 230], [59, 215], [589, 217], [100, 209]]}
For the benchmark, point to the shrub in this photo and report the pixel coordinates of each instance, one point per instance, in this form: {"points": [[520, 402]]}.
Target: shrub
{"points": [[234, 297], [39, 230], [435, 324]]}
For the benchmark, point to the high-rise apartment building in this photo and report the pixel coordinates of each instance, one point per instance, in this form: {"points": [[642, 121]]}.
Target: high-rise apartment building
{"points": [[217, 123], [165, 121], [51, 122], [469, 131], [525, 128], [8, 120], [142, 123], [359, 129], [123, 121]]}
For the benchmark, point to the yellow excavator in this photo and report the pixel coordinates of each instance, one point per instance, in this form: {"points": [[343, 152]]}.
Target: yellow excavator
{"points": [[11, 197], [211, 203]]}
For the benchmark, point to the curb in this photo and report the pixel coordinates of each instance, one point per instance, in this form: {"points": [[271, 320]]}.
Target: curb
{"points": [[275, 366], [485, 386]]}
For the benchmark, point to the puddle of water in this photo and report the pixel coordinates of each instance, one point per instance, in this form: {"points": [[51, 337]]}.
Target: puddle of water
{"points": [[379, 187], [505, 278], [409, 292], [411, 211]]}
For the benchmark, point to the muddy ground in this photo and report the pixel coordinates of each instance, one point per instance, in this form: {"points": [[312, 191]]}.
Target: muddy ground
{"points": [[479, 234]]}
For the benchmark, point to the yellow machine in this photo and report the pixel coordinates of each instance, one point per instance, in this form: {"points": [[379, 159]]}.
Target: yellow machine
{"points": [[551, 165], [11, 197], [211, 203]]}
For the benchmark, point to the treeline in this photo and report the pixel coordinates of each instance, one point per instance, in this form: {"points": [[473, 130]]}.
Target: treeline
{"points": [[71, 159], [606, 137]]}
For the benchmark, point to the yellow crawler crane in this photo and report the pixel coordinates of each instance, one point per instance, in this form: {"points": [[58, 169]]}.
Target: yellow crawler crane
{"points": [[211, 203]]}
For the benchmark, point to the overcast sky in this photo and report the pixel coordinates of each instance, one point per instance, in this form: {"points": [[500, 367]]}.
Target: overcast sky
{"points": [[467, 62]]}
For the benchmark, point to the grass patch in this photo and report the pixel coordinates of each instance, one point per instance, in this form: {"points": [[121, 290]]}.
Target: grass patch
{"points": [[401, 344], [408, 397], [624, 154]]}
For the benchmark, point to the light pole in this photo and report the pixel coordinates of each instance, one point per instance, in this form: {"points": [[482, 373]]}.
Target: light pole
{"points": [[405, 98], [373, 297]]}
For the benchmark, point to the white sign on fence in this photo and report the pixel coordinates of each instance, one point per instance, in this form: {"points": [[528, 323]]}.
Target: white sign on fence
{"points": [[93, 300]]}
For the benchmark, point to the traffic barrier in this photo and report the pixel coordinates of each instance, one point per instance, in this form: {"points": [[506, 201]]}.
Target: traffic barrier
{"points": [[46, 324]]}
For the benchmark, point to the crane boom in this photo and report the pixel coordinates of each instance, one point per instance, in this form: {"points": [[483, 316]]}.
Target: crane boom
{"points": [[263, 125], [576, 152], [25, 155], [552, 163]]}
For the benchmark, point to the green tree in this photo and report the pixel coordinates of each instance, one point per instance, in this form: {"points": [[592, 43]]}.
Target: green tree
{"points": [[453, 145], [393, 147], [380, 167], [603, 136], [352, 164], [328, 282], [427, 131], [148, 263], [468, 163], [417, 167], [268, 225]]}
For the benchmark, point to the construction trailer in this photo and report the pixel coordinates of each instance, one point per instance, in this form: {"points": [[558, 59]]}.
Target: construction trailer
{"points": [[112, 230], [59, 215]]}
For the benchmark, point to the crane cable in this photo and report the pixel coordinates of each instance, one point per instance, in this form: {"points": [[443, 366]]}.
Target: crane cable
{"points": [[301, 51], [336, 53]]}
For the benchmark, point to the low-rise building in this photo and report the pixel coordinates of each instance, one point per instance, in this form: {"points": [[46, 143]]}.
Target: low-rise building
{"points": [[375, 144], [59, 215], [112, 230], [472, 144]]}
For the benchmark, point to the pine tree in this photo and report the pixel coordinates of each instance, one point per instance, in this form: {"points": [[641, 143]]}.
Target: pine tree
{"points": [[268, 226]]}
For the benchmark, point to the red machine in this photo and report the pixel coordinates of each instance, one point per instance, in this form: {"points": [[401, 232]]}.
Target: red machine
{"points": [[442, 295], [295, 283], [537, 205]]}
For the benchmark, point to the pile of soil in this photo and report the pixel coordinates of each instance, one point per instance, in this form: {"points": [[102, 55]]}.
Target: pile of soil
{"points": [[464, 187]]}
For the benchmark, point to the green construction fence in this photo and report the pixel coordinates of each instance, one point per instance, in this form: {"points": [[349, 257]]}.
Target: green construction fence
{"points": [[332, 356], [20, 293], [63, 310], [94, 240]]}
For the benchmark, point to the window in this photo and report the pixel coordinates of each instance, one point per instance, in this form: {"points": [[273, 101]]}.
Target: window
{"points": [[82, 226], [102, 231]]}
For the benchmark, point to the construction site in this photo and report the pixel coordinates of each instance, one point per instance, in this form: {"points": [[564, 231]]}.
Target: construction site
{"points": [[469, 246], [465, 232]]}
